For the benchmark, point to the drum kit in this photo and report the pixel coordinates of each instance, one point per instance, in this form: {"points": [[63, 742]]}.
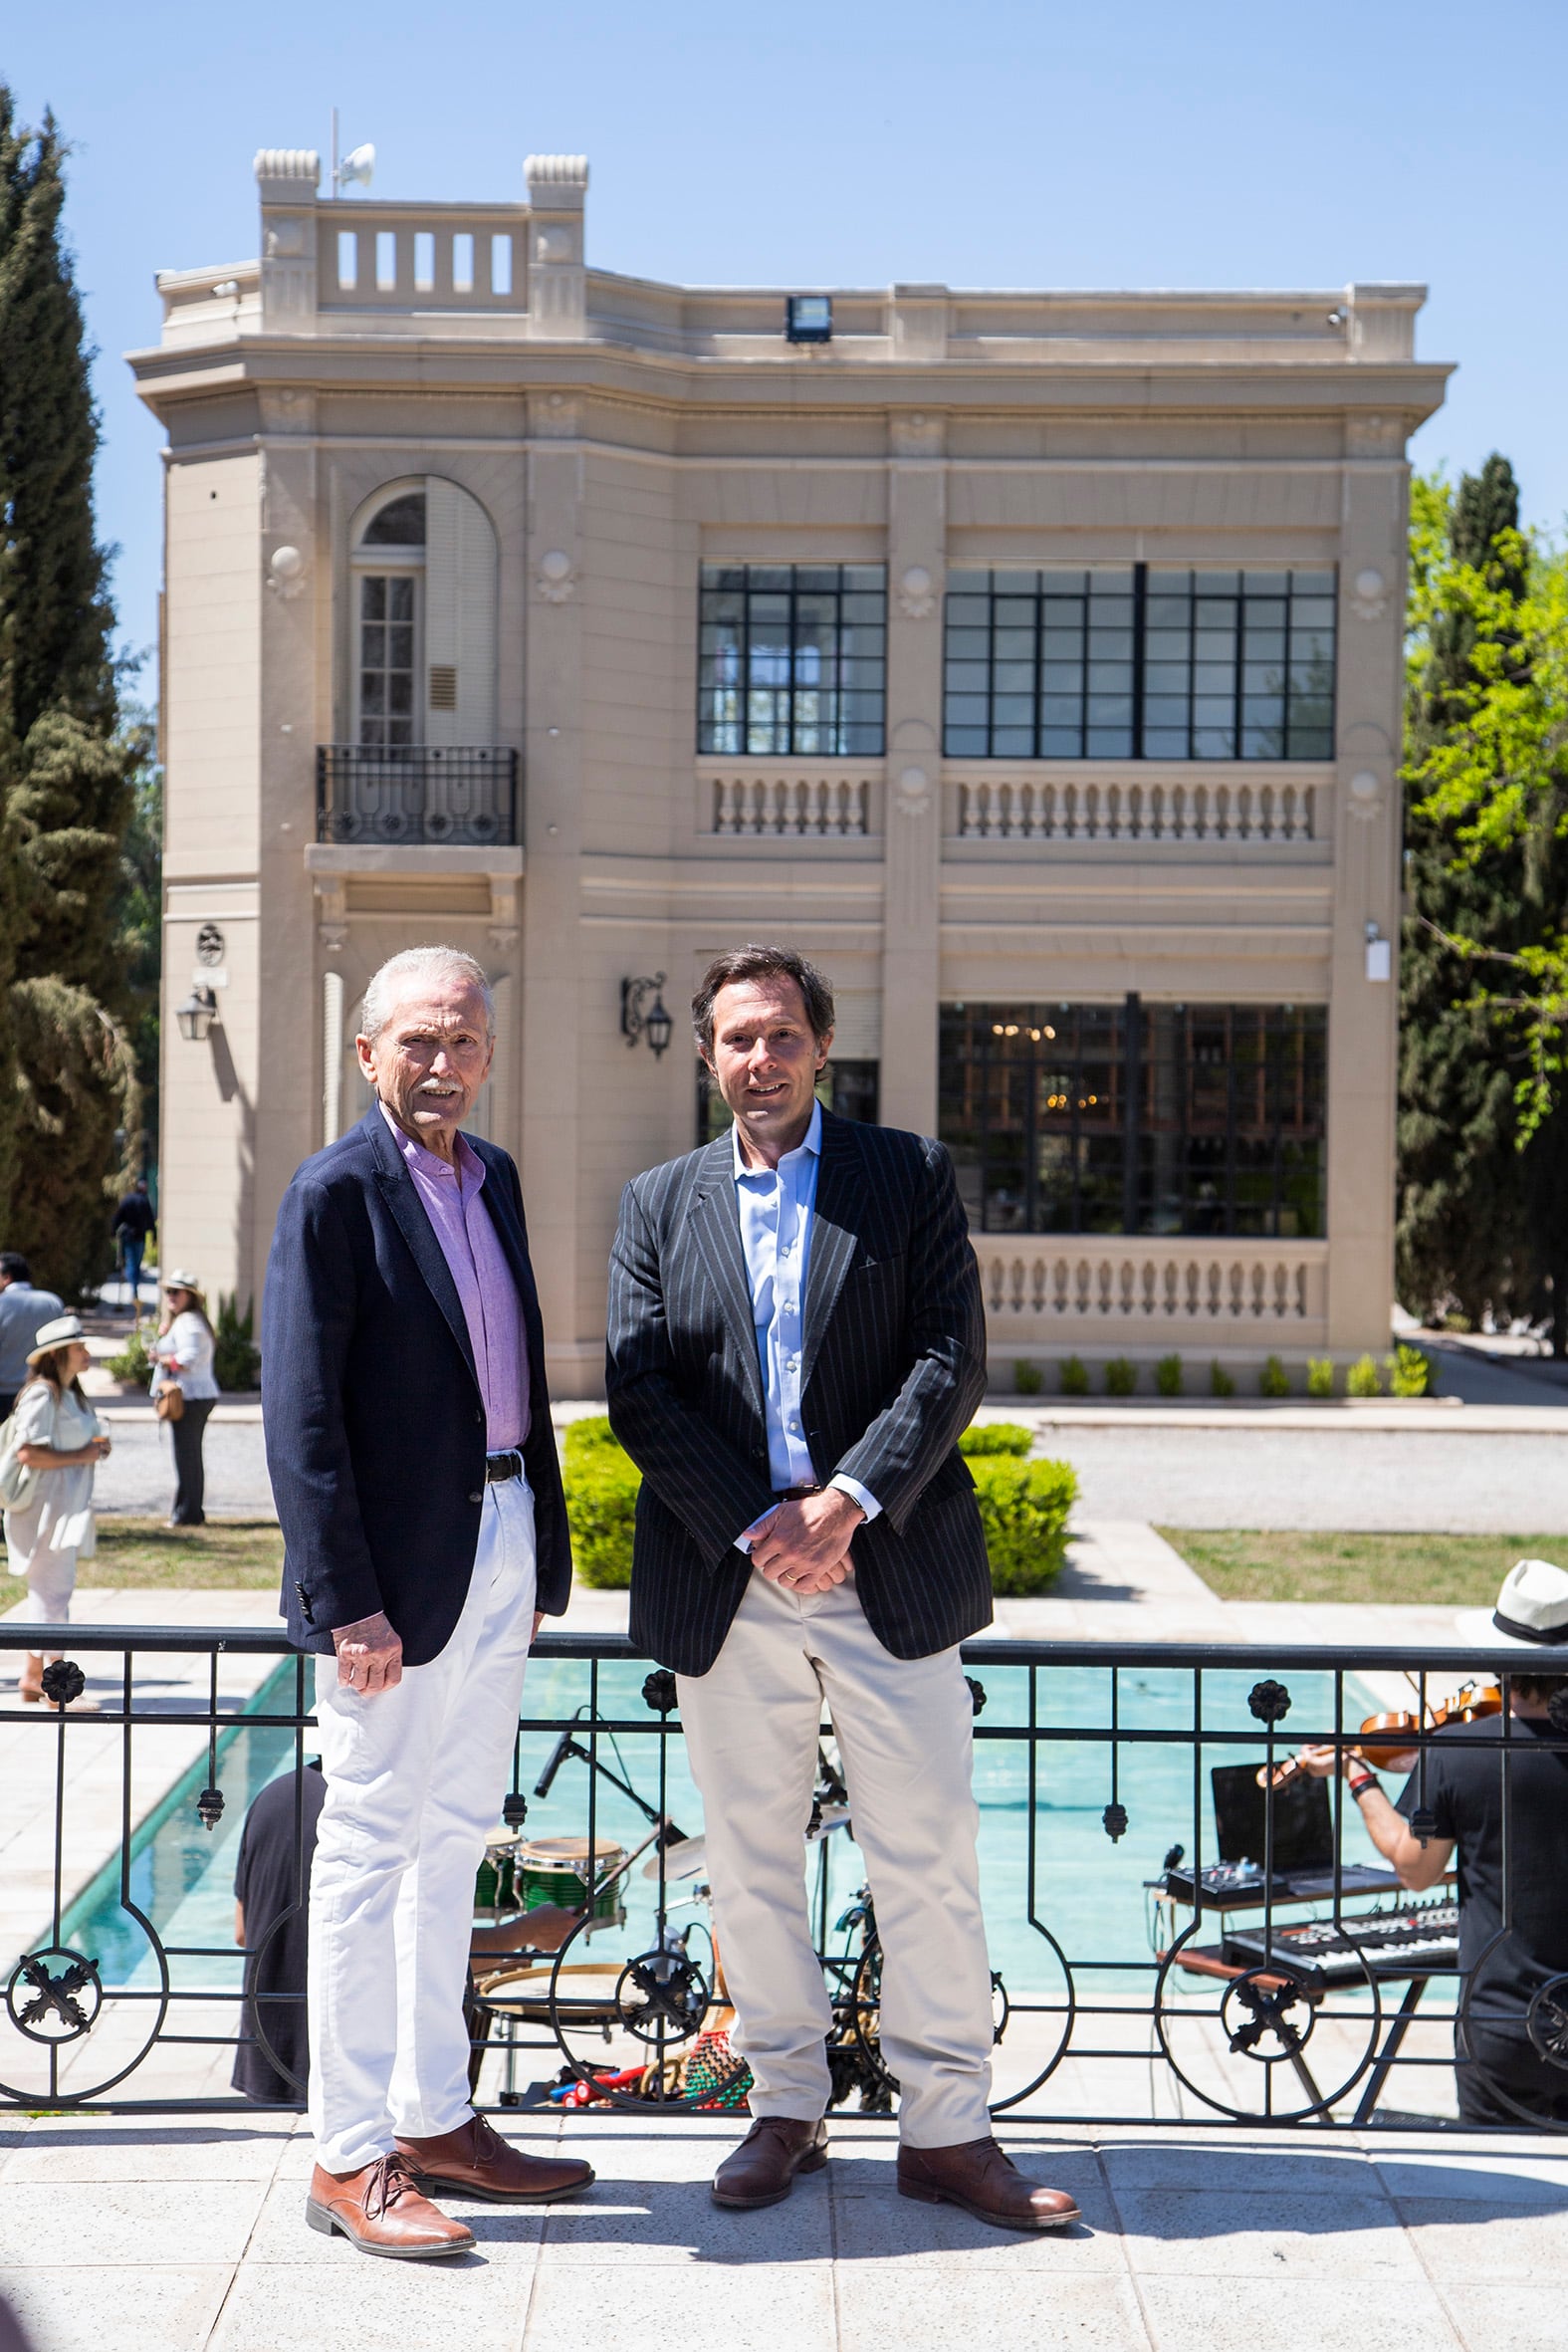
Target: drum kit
{"points": [[654, 2026]]}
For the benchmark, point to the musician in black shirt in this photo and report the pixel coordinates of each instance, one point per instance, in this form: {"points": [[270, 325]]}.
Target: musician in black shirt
{"points": [[1492, 1801]]}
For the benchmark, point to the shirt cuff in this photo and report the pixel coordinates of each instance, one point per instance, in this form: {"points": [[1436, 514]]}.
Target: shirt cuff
{"points": [[748, 1536], [857, 1494]]}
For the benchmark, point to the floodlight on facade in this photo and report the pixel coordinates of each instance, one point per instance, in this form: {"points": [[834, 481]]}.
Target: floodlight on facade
{"points": [[808, 318]]}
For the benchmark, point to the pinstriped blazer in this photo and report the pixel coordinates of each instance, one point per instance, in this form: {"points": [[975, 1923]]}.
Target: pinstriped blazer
{"points": [[894, 1364]]}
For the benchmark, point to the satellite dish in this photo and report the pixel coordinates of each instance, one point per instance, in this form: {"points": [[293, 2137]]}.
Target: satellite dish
{"points": [[358, 166]]}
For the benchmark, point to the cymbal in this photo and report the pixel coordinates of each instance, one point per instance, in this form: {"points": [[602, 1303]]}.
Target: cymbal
{"points": [[687, 1859]]}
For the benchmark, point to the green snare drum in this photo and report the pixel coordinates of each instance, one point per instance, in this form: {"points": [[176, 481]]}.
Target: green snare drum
{"points": [[496, 1888], [557, 1870]]}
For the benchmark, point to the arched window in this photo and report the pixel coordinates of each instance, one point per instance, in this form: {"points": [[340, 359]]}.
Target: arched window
{"points": [[424, 619]]}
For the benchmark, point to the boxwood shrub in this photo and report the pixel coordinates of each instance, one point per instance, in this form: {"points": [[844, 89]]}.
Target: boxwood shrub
{"points": [[601, 1502], [996, 1437], [1024, 1509]]}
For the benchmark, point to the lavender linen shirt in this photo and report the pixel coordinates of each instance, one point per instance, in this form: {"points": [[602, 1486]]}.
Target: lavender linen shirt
{"points": [[478, 1265]]}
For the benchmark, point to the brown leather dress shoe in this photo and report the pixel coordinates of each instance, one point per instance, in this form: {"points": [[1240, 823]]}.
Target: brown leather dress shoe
{"points": [[761, 2170], [985, 2182], [475, 2161], [380, 2208]]}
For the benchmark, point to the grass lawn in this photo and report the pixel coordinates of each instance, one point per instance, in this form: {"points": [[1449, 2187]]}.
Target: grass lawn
{"points": [[226, 1555], [1463, 1572]]}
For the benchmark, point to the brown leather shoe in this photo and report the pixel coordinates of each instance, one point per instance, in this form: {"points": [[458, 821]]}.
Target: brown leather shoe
{"points": [[761, 2170], [383, 2212], [475, 2161], [985, 2182]]}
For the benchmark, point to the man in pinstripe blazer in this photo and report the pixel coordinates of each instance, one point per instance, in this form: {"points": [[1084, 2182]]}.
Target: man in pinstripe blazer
{"points": [[796, 1341]]}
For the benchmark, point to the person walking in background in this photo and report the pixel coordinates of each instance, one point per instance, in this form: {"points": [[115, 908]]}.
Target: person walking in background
{"points": [[58, 1441], [182, 1353], [134, 1222], [24, 1312], [796, 1340], [424, 1526]]}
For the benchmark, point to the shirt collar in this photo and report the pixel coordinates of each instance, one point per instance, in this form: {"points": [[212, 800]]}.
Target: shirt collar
{"points": [[467, 1168], [811, 1142]]}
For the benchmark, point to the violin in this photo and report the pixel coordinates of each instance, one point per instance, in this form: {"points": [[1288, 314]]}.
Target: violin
{"points": [[1384, 1741]]}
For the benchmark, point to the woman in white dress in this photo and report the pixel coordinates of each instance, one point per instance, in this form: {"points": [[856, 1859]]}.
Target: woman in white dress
{"points": [[60, 1441], [183, 1350]]}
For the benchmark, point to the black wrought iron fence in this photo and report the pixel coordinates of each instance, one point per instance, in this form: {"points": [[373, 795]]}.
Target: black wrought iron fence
{"points": [[404, 794], [1179, 1932]]}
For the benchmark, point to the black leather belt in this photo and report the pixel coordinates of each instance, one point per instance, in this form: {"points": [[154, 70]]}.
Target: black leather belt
{"points": [[500, 1467]]}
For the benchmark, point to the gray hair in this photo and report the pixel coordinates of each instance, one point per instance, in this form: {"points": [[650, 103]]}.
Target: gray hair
{"points": [[445, 963]]}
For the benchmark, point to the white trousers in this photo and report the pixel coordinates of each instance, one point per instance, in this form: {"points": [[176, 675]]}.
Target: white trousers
{"points": [[51, 1580], [905, 1735], [414, 1782]]}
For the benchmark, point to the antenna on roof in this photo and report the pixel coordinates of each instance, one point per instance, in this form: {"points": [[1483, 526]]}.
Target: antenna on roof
{"points": [[356, 167]]}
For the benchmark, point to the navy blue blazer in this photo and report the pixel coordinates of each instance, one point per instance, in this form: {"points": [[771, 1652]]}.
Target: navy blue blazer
{"points": [[375, 1428]]}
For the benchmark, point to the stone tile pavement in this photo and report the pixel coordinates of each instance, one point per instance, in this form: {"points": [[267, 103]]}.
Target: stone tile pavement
{"points": [[135, 2236]]}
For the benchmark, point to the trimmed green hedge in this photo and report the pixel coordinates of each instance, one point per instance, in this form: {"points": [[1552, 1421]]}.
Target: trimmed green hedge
{"points": [[996, 1437], [1023, 1505], [601, 1502], [1024, 1509]]}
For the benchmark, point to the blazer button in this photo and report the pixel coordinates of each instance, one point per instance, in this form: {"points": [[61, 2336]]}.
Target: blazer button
{"points": [[478, 1495], [479, 1412]]}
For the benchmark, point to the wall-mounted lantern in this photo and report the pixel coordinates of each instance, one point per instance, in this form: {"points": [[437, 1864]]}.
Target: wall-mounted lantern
{"points": [[655, 1024], [197, 1014]]}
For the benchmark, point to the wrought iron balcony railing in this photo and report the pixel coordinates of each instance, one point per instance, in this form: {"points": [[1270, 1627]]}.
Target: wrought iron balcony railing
{"points": [[1173, 1939], [462, 796]]}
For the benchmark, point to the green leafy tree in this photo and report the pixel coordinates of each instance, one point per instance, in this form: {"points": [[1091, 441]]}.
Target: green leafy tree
{"points": [[1482, 1165], [68, 1082]]}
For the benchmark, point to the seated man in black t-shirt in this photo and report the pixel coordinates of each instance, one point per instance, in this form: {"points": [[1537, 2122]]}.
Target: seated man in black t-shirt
{"points": [[1507, 2072]]}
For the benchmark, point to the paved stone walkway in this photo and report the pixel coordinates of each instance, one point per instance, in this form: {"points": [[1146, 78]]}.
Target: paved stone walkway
{"points": [[170, 2236]]}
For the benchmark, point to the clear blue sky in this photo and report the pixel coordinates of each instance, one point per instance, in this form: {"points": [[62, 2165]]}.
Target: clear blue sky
{"points": [[998, 142]]}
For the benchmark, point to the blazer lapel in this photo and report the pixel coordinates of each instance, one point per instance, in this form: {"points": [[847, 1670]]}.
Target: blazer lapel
{"points": [[835, 1231], [397, 1189], [716, 1229], [497, 1199]]}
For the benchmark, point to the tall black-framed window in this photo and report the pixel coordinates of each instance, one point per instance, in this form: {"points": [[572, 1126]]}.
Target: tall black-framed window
{"points": [[792, 658], [850, 1088], [1137, 1118], [1140, 662]]}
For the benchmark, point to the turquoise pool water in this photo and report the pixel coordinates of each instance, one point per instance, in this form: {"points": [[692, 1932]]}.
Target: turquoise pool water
{"points": [[1088, 1891]]}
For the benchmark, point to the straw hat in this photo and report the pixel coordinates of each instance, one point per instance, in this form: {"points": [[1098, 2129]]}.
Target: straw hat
{"points": [[1531, 1611], [179, 1279], [57, 1333]]}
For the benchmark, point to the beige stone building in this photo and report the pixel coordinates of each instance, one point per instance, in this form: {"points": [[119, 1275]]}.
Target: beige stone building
{"points": [[1032, 659]]}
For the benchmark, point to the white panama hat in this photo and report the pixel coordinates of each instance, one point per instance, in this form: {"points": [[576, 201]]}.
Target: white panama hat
{"points": [[1531, 1611], [59, 1333], [180, 1280]]}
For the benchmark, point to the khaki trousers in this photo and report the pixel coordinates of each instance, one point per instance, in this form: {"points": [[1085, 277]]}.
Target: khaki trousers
{"points": [[905, 1735]]}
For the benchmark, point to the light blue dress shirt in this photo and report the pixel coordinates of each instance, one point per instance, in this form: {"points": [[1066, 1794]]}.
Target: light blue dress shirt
{"points": [[776, 1206]]}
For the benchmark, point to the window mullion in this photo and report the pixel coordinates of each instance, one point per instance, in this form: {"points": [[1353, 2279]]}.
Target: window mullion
{"points": [[1139, 639]]}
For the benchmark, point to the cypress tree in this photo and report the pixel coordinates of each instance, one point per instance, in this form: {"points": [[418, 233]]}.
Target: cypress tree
{"points": [[65, 791]]}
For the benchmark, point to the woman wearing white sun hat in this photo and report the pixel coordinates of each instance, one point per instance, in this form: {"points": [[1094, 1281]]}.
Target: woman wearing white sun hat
{"points": [[58, 1441], [1506, 1809], [183, 1351]]}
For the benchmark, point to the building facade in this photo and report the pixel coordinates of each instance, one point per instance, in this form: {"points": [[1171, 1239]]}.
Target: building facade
{"points": [[1031, 659]]}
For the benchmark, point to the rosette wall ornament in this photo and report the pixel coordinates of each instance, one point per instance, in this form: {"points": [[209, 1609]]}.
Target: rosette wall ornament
{"points": [[558, 575]]}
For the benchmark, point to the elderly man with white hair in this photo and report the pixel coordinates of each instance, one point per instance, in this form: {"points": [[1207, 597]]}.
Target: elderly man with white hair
{"points": [[410, 1441]]}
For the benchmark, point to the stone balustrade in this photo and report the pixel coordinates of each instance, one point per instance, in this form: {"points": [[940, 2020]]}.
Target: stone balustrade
{"points": [[1044, 808], [788, 798], [1076, 1287]]}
